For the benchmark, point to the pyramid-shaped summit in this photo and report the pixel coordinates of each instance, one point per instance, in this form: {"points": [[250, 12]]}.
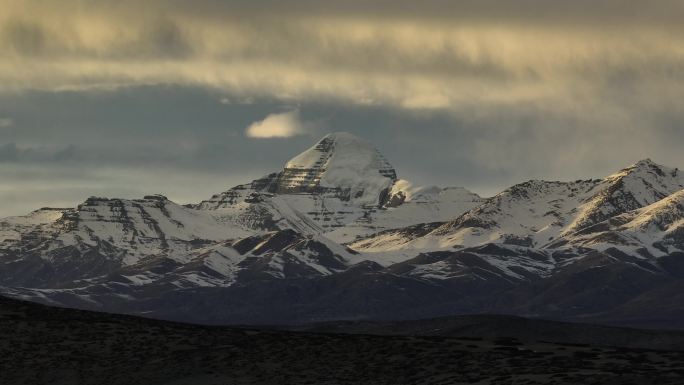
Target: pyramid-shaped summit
{"points": [[340, 162]]}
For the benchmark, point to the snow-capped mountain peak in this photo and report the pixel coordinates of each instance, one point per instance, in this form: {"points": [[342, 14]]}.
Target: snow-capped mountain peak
{"points": [[645, 169], [343, 162], [333, 147], [641, 184], [342, 187]]}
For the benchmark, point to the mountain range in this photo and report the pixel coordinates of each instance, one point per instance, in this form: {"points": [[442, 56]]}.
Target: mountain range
{"points": [[336, 235]]}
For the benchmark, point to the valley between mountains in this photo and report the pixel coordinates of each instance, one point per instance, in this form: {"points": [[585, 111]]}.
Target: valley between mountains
{"points": [[337, 235]]}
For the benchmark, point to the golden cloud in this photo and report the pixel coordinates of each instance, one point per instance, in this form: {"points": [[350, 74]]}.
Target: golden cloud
{"points": [[397, 56]]}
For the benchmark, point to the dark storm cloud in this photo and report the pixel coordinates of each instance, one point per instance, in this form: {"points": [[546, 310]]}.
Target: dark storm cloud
{"points": [[161, 39], [431, 54], [538, 11]]}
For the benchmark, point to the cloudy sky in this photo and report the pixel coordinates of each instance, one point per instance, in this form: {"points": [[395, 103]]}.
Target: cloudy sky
{"points": [[187, 98]]}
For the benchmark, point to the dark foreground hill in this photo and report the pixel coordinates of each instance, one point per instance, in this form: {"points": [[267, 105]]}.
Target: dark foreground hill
{"points": [[504, 326], [44, 345]]}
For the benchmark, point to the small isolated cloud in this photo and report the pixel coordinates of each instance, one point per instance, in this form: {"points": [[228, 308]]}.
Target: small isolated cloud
{"points": [[6, 122], [283, 125]]}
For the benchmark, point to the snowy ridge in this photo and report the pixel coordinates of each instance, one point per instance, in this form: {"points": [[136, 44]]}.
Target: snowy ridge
{"points": [[13, 228], [531, 213], [636, 186], [279, 254], [656, 229], [419, 206], [123, 231], [536, 213]]}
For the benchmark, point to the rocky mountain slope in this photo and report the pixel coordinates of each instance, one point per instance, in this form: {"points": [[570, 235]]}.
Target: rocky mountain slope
{"points": [[336, 235], [342, 187], [535, 213]]}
